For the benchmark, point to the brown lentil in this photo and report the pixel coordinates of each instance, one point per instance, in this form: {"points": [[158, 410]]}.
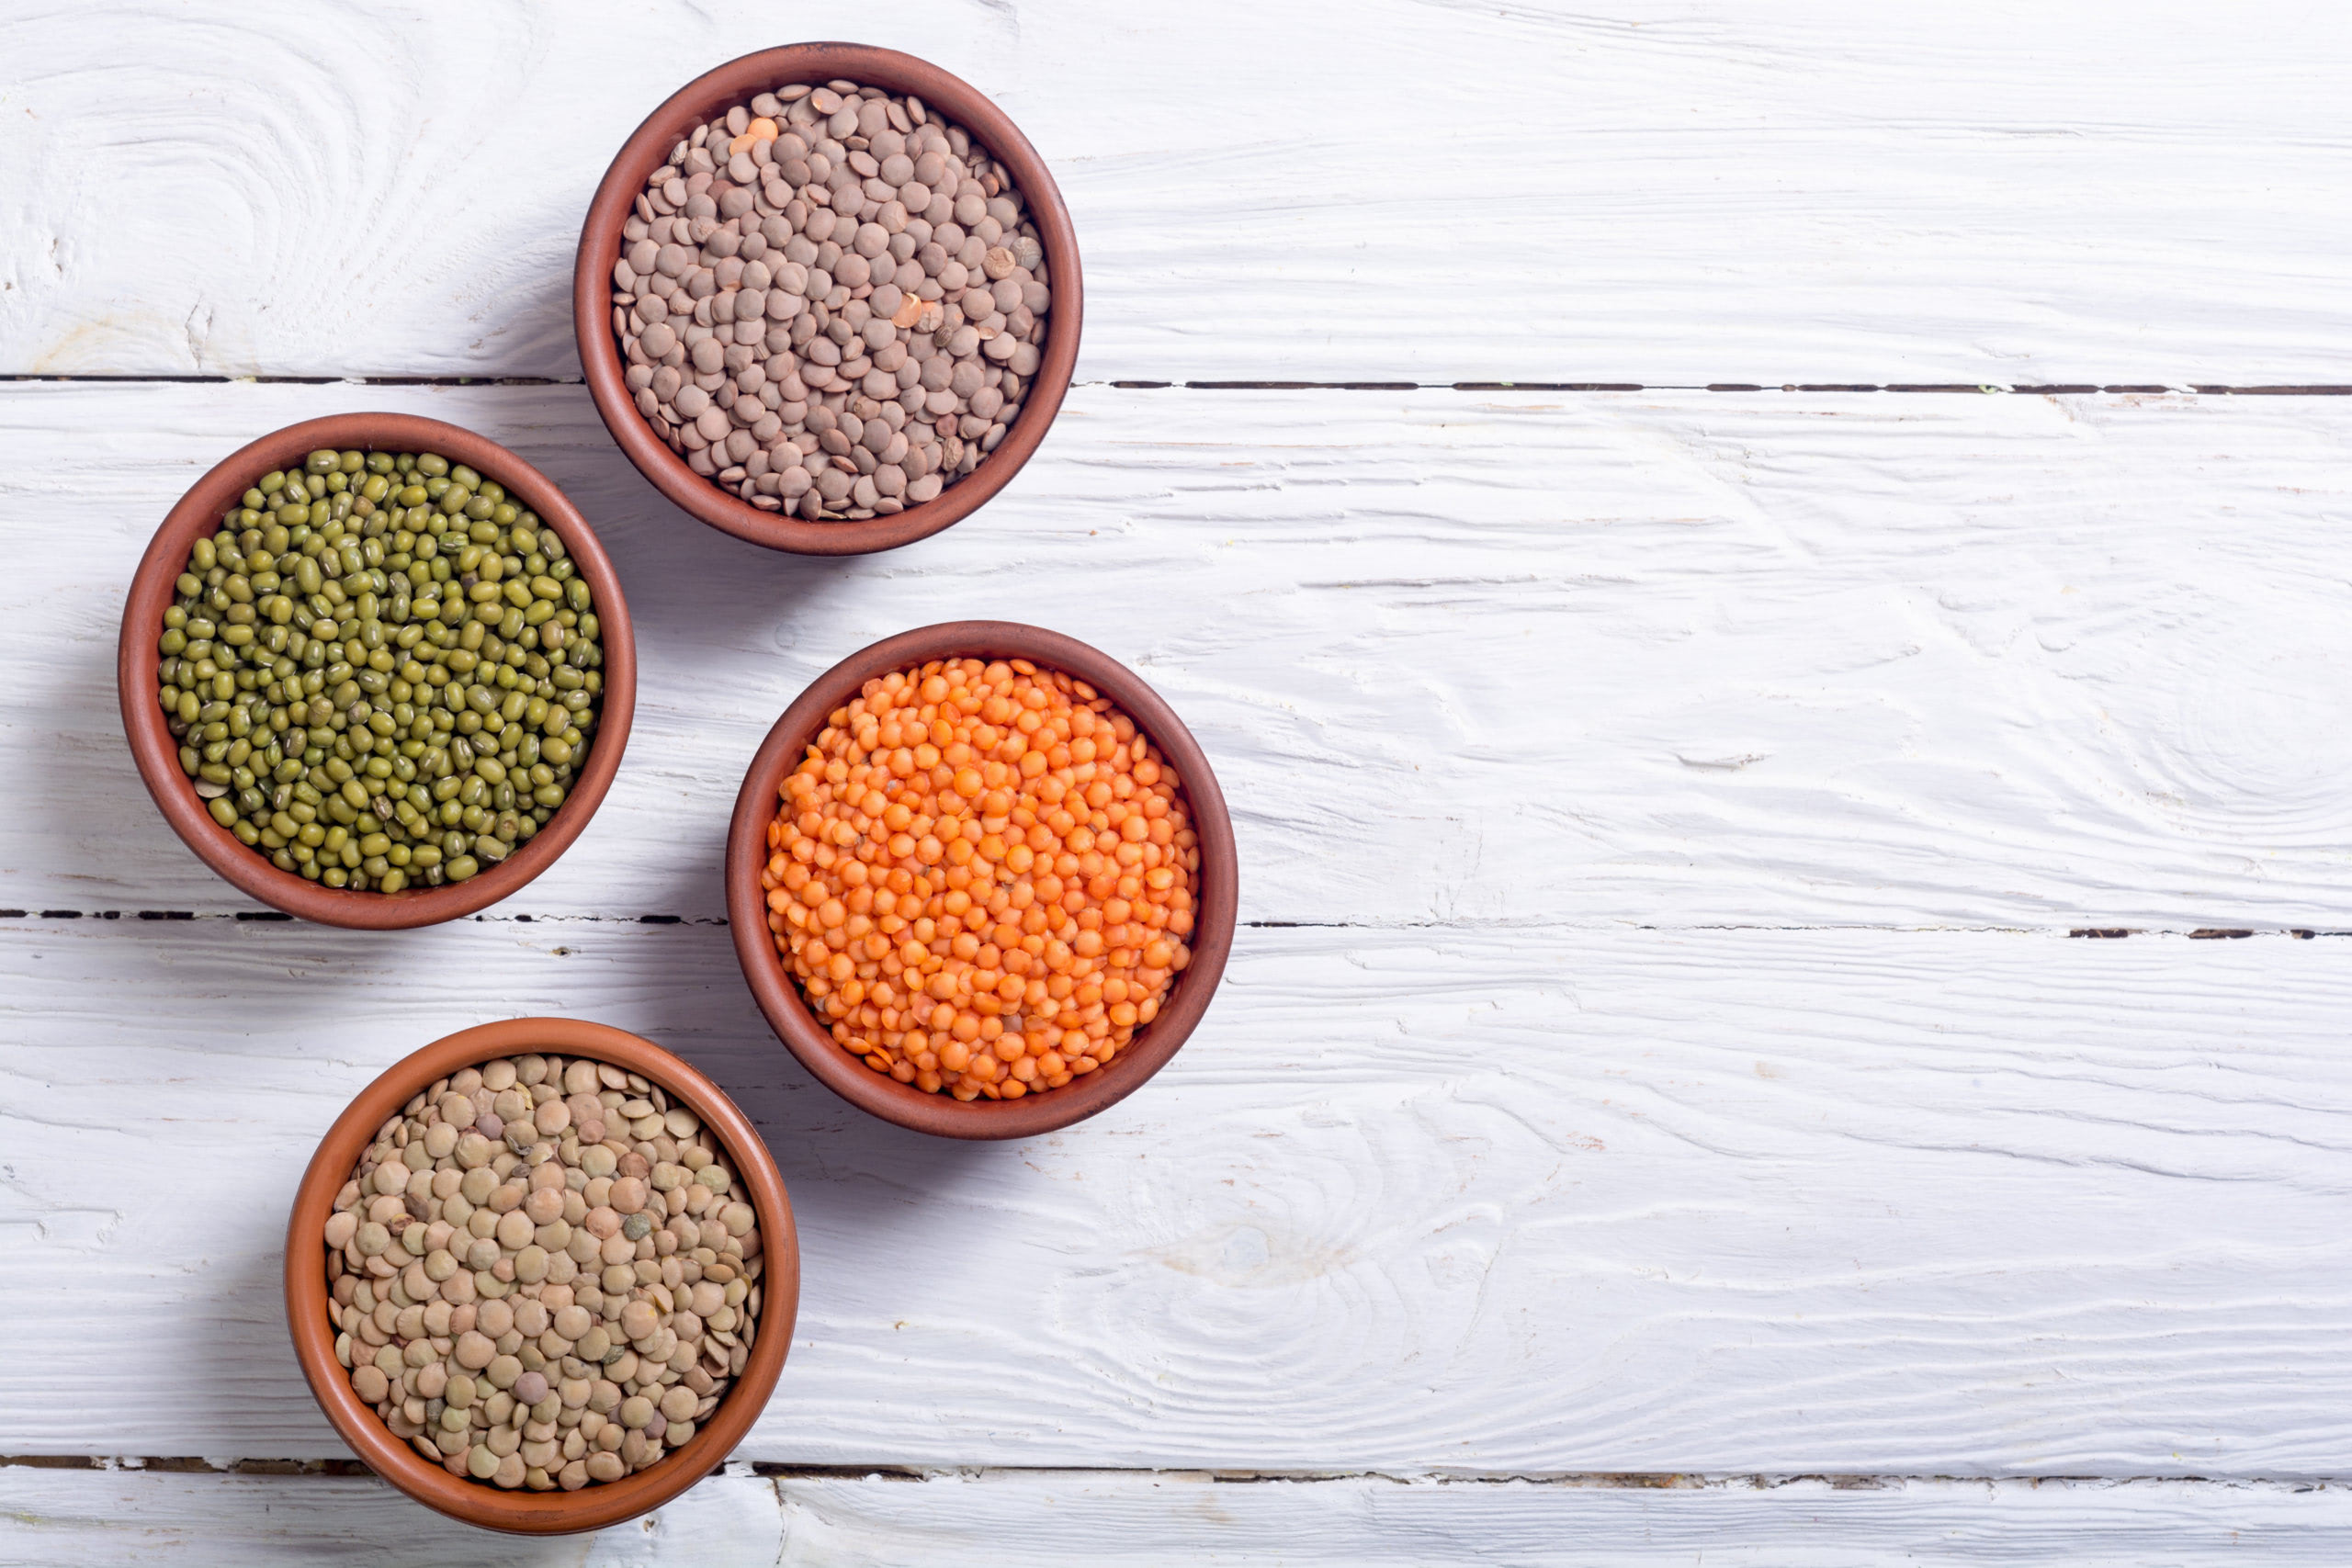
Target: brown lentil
{"points": [[831, 312]]}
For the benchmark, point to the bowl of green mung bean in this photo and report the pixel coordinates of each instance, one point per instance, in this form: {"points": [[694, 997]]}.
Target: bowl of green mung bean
{"points": [[375, 671]]}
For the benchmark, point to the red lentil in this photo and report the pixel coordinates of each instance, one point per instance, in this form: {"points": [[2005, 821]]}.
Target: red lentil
{"points": [[981, 876]]}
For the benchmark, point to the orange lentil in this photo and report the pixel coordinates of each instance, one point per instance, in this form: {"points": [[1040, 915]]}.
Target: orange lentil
{"points": [[981, 876]]}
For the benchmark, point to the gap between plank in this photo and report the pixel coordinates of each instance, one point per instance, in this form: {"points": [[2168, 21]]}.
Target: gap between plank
{"points": [[2198, 933], [2028, 388], [1596, 1480]]}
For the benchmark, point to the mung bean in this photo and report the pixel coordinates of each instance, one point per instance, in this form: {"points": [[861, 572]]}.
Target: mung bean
{"points": [[354, 683]]}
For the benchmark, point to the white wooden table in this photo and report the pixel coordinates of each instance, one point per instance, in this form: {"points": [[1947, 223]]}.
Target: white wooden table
{"points": [[1723, 554]]}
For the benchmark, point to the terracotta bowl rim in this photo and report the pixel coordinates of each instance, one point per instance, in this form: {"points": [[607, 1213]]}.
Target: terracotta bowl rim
{"points": [[475, 1503], [779, 998], [600, 246], [157, 755]]}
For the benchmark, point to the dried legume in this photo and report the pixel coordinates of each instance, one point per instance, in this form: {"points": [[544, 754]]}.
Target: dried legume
{"points": [[981, 876], [834, 312], [382, 670], [538, 1283]]}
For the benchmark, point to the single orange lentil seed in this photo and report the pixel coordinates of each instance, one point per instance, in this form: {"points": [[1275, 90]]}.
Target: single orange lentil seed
{"points": [[981, 876]]}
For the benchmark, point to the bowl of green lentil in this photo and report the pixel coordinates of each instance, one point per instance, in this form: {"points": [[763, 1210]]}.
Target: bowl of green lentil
{"points": [[375, 671], [543, 1338]]}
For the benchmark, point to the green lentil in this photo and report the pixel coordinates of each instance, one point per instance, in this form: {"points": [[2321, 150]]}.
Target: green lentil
{"points": [[386, 641], [564, 1315]]}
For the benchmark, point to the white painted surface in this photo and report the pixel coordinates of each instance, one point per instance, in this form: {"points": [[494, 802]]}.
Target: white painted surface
{"points": [[1082, 1519], [1657, 1048], [137, 1518], [1653, 191], [1479, 1202], [1654, 659]]}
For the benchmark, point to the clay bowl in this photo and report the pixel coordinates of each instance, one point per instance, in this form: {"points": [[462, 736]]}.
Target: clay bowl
{"points": [[477, 1503], [698, 102], [157, 754], [779, 996]]}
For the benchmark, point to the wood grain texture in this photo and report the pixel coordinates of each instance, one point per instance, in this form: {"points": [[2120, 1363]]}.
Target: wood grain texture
{"points": [[1082, 1520], [1041, 1520], [1551, 1200], [50, 1519], [1673, 660], [1654, 1049], [1422, 190]]}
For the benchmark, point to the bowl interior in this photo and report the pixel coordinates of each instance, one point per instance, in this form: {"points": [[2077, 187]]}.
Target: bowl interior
{"points": [[595, 1506], [152, 592], [714, 93], [1215, 895]]}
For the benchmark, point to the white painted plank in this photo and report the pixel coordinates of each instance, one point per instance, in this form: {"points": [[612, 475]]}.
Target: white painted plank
{"points": [[1542, 1199], [1106, 1520], [1655, 659], [1666, 194], [1082, 1520], [53, 1519]]}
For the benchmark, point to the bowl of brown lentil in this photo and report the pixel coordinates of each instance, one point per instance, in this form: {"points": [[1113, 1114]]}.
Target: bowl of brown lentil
{"points": [[667, 1337], [903, 329], [982, 880], [459, 719]]}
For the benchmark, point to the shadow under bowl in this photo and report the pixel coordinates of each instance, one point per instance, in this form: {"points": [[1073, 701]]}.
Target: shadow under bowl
{"points": [[476, 1503], [152, 592], [711, 94], [1216, 890]]}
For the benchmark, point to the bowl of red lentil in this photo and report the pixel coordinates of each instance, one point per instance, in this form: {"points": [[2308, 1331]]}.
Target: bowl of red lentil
{"points": [[1009, 418], [981, 879]]}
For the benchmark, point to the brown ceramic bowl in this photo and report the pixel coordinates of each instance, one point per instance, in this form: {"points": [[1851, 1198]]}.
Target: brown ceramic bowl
{"points": [[779, 996], [477, 1503], [157, 754], [697, 102]]}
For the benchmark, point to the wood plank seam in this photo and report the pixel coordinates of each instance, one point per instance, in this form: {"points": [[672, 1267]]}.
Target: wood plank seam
{"points": [[1955, 389], [1636, 1480], [2198, 933], [1941, 388]]}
